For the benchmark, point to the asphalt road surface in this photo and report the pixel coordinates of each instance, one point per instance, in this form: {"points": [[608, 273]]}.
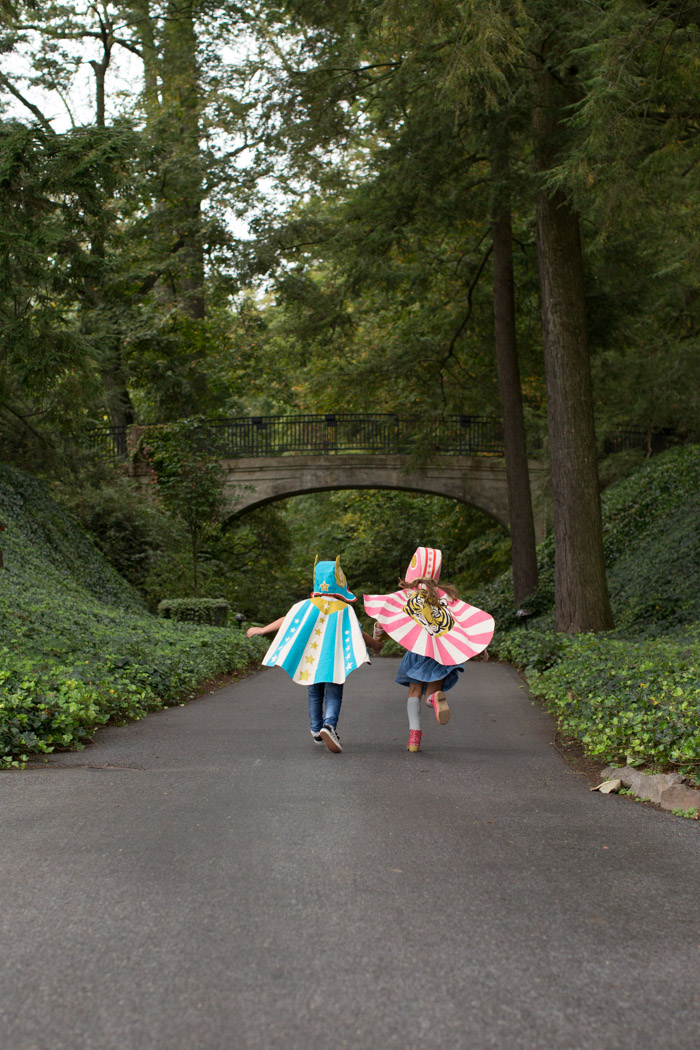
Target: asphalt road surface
{"points": [[210, 879]]}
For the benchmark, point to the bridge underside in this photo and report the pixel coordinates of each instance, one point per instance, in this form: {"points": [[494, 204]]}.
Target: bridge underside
{"points": [[479, 481]]}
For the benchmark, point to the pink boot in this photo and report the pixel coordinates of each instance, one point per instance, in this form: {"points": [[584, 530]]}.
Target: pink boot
{"points": [[414, 739], [439, 705]]}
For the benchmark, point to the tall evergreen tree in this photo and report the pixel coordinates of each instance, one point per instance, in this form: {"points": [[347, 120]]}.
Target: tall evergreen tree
{"points": [[581, 595], [522, 524]]}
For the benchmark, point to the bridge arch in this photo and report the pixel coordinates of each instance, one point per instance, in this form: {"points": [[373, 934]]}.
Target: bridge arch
{"points": [[479, 481]]}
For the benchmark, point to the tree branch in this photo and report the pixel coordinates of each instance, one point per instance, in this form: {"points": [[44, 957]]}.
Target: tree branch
{"points": [[23, 421], [25, 102], [92, 33], [470, 295]]}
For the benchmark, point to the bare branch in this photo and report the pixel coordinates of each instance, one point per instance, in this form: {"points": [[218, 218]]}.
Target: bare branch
{"points": [[470, 295], [93, 34], [25, 102]]}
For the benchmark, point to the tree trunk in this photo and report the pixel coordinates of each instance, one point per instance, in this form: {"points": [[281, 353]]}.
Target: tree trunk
{"points": [[142, 24], [117, 397], [522, 525], [100, 68], [195, 565], [183, 170], [581, 593]]}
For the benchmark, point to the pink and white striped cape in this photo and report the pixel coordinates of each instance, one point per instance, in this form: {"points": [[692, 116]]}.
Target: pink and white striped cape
{"points": [[470, 634]]}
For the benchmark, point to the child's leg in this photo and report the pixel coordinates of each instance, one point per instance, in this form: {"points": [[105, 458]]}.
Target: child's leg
{"points": [[413, 705], [435, 698], [316, 707], [415, 690], [432, 687], [334, 698]]}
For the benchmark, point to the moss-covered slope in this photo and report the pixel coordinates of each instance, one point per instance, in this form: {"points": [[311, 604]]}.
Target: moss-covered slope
{"points": [[651, 533], [77, 648]]}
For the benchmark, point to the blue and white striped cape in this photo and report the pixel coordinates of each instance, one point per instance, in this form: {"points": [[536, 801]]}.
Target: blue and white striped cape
{"points": [[320, 640]]}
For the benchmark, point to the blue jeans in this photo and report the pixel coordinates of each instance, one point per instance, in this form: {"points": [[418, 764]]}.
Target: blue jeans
{"points": [[333, 694]]}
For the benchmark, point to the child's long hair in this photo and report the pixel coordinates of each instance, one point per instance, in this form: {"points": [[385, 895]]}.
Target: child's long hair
{"points": [[431, 589]]}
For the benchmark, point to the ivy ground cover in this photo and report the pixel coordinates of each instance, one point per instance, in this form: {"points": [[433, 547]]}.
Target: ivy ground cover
{"points": [[631, 695], [77, 647]]}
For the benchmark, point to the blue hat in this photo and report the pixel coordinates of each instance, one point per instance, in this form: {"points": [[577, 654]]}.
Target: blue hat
{"points": [[330, 580]]}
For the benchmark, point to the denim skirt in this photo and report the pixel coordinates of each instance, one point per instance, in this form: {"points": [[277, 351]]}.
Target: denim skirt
{"points": [[415, 668]]}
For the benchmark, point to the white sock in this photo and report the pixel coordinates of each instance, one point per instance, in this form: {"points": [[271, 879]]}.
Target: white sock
{"points": [[413, 710]]}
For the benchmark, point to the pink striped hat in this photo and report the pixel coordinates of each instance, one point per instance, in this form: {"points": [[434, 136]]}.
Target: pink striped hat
{"points": [[425, 565]]}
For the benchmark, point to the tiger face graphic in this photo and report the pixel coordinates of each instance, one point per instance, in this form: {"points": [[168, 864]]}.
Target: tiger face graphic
{"points": [[435, 619]]}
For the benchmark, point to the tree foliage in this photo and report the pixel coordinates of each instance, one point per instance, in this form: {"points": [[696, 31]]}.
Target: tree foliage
{"points": [[373, 150], [189, 481]]}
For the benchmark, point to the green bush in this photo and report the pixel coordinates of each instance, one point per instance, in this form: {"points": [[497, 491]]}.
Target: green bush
{"points": [[45, 546], [635, 702], [532, 650], [213, 611], [126, 523], [117, 675]]}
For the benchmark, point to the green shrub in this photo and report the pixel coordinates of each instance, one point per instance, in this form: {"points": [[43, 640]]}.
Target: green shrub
{"points": [[632, 695], [117, 676], [532, 650], [213, 611], [126, 523], [44, 545]]}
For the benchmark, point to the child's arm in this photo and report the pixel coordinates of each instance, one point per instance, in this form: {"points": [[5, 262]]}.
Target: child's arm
{"points": [[376, 644], [265, 630]]}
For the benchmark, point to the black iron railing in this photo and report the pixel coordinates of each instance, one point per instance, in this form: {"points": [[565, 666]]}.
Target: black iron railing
{"points": [[108, 442], [327, 434], [653, 441], [342, 432]]}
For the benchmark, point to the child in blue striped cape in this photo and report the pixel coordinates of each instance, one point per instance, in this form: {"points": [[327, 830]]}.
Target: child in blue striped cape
{"points": [[318, 643]]}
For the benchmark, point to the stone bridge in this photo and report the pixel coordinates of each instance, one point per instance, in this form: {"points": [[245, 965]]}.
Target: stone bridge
{"points": [[479, 481], [270, 458]]}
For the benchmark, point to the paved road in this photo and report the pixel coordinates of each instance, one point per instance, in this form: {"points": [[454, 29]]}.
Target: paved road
{"points": [[209, 879]]}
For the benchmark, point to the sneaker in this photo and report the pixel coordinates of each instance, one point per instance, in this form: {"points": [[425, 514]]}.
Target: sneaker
{"points": [[414, 739], [439, 705], [330, 738], [317, 738]]}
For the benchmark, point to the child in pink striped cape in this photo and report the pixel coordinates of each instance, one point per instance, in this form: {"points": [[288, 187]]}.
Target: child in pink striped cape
{"points": [[439, 632]]}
